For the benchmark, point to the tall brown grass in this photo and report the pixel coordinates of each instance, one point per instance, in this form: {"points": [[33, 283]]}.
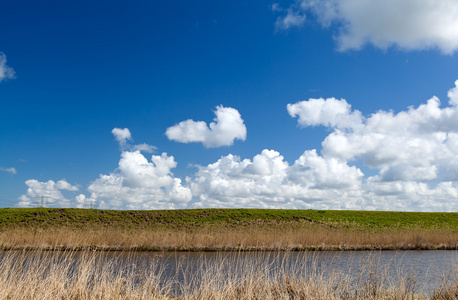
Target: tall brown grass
{"points": [[92, 275], [221, 238]]}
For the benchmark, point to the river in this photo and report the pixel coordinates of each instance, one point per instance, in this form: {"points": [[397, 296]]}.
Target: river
{"points": [[421, 270]]}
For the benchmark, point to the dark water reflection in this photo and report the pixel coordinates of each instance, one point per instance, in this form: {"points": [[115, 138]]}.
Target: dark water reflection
{"points": [[425, 269]]}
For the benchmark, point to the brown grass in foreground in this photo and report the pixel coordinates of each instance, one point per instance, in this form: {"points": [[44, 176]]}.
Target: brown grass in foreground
{"points": [[220, 238], [89, 275]]}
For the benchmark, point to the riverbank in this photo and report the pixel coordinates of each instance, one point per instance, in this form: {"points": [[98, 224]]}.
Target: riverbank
{"points": [[225, 230]]}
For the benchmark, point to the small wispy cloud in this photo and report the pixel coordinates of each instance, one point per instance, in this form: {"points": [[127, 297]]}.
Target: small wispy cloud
{"points": [[292, 18], [9, 170], [276, 7], [144, 148], [6, 72]]}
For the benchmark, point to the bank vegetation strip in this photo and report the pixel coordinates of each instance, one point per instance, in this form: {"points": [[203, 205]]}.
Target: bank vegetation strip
{"points": [[225, 230]]}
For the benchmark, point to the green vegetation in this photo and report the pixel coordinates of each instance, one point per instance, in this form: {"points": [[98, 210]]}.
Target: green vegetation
{"points": [[225, 230], [196, 218]]}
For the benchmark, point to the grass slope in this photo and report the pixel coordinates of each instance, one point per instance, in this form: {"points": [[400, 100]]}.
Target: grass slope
{"points": [[196, 218]]}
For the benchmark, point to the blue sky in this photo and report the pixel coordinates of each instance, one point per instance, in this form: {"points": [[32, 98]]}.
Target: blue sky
{"points": [[70, 73]]}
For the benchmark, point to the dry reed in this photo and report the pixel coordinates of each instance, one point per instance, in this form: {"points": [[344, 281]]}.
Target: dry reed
{"points": [[94, 275], [221, 238]]}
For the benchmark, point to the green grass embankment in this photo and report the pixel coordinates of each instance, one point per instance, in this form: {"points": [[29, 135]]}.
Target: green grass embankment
{"points": [[225, 229], [191, 218]]}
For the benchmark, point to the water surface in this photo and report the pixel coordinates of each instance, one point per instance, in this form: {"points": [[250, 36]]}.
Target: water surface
{"points": [[423, 270]]}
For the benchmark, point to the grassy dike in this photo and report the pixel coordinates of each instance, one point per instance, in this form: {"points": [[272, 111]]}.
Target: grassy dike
{"points": [[224, 229]]}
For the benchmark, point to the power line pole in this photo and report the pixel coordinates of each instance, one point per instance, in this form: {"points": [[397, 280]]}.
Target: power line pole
{"points": [[91, 204], [42, 201]]}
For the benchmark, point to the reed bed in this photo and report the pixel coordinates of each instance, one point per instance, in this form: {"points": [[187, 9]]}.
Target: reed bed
{"points": [[220, 238], [94, 275]]}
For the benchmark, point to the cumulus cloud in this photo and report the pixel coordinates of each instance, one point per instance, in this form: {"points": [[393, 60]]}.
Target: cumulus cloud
{"points": [[417, 144], [407, 24], [80, 201], [227, 126], [137, 183], [317, 172], [453, 95], [122, 135], [330, 112], [268, 181], [413, 154], [9, 170], [410, 195], [410, 159], [6, 72], [47, 193], [414, 151], [141, 184]]}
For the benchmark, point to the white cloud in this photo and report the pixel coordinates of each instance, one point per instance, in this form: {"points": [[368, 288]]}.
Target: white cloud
{"points": [[64, 185], [46, 193], [81, 201], [293, 18], [415, 151], [122, 135], [330, 112], [413, 155], [312, 182], [276, 7], [9, 170], [140, 184], [410, 195], [144, 147], [6, 72], [318, 172], [136, 184], [407, 24], [417, 144], [268, 181], [227, 126], [453, 95]]}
